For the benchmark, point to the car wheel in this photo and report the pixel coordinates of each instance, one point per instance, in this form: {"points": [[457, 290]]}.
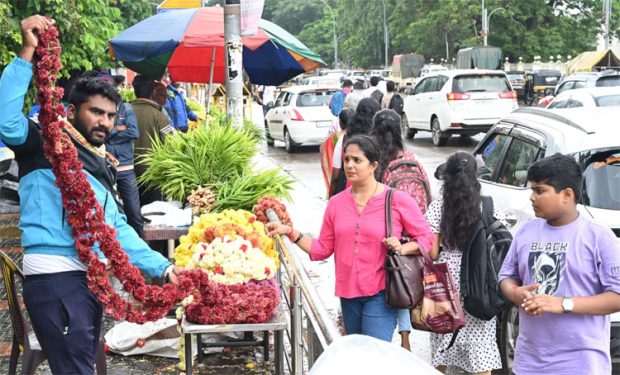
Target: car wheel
{"points": [[289, 145], [439, 137], [270, 141], [508, 332], [405, 130]]}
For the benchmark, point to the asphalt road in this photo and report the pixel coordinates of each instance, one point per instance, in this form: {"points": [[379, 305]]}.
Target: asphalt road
{"points": [[305, 164]]}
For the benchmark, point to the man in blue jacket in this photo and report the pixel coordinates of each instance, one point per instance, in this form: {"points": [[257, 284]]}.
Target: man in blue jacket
{"points": [[120, 143], [177, 106], [65, 315]]}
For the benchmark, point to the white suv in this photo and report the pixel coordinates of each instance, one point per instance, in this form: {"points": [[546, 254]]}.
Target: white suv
{"points": [[530, 134], [463, 102]]}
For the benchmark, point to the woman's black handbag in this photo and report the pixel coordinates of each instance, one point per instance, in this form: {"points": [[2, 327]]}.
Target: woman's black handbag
{"points": [[403, 273]]}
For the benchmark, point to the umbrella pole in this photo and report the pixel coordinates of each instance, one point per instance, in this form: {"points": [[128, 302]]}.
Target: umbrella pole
{"points": [[210, 81], [234, 64]]}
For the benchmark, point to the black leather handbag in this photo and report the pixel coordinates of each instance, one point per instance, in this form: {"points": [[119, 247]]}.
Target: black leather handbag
{"points": [[403, 273]]}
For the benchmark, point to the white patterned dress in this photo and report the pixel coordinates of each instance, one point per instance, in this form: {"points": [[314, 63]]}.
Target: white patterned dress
{"points": [[475, 349]]}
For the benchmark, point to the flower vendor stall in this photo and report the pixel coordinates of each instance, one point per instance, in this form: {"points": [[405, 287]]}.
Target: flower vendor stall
{"points": [[229, 264]]}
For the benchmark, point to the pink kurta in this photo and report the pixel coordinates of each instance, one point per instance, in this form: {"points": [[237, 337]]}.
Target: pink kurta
{"points": [[356, 239]]}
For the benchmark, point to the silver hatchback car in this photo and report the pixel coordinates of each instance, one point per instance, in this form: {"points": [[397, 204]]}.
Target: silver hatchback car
{"points": [[504, 155]]}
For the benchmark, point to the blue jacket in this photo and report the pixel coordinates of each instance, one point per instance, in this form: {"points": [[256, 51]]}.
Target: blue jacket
{"points": [[121, 143], [337, 102], [179, 111], [42, 221]]}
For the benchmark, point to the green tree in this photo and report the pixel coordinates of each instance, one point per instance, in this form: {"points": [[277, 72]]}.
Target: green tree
{"points": [[319, 37], [85, 27]]}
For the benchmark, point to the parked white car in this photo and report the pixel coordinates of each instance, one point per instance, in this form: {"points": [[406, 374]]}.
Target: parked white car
{"points": [[328, 80], [529, 134], [300, 115], [463, 102], [589, 98]]}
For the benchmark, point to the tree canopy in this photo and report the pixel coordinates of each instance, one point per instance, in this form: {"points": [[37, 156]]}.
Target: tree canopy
{"points": [[439, 28], [85, 27], [434, 28]]}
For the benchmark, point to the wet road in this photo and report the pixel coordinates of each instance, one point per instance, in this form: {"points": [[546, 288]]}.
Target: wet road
{"points": [[305, 164]]}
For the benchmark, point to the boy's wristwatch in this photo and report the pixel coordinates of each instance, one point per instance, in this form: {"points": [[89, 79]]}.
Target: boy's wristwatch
{"points": [[568, 304]]}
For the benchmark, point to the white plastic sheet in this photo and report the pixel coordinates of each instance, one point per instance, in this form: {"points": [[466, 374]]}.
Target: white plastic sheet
{"points": [[160, 338], [361, 355], [161, 213]]}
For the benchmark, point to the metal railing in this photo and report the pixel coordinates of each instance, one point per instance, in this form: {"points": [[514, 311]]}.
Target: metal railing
{"points": [[310, 329]]}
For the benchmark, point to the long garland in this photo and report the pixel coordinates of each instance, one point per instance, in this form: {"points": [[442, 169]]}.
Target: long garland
{"points": [[85, 215], [209, 303]]}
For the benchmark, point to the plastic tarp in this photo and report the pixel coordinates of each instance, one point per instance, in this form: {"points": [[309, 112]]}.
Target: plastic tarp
{"points": [[365, 355], [592, 61], [481, 57], [411, 65]]}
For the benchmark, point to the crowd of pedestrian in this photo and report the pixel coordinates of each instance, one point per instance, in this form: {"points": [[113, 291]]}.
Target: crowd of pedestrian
{"points": [[560, 270]]}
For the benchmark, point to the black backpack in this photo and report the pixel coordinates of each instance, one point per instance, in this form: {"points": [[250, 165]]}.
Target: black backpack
{"points": [[377, 95], [397, 104], [481, 264]]}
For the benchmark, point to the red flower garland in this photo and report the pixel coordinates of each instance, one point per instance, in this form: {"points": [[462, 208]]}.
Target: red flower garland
{"points": [[278, 207], [253, 302], [213, 303], [85, 214]]}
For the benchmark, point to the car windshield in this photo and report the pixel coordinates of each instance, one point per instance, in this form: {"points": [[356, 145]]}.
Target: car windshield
{"points": [[314, 98], [601, 180], [515, 76], [610, 81], [608, 101], [480, 83]]}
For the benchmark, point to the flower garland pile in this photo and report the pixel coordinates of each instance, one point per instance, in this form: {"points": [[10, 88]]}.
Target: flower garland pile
{"points": [[205, 301], [85, 215], [232, 261], [234, 223], [266, 202]]}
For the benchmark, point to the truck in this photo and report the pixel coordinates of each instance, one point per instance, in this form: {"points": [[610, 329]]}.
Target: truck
{"points": [[406, 68], [479, 57]]}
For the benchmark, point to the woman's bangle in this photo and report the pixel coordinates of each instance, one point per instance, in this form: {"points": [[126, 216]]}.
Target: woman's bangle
{"points": [[301, 235], [290, 235]]}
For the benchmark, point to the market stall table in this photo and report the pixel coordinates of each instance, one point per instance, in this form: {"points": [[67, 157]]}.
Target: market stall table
{"points": [[170, 234], [277, 324]]}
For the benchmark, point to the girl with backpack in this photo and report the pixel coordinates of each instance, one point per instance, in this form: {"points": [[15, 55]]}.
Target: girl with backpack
{"points": [[353, 231], [409, 177], [453, 219]]}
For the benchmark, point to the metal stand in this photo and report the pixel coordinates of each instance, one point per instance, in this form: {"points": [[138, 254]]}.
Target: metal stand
{"points": [[277, 325]]}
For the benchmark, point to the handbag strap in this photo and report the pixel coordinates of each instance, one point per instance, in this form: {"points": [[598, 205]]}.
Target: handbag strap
{"points": [[388, 212]]}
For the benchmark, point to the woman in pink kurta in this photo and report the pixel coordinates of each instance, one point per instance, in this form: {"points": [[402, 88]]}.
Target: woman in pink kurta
{"points": [[354, 231]]}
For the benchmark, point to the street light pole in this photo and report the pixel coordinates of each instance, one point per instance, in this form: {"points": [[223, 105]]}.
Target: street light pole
{"points": [[485, 21], [607, 10], [385, 33], [331, 10]]}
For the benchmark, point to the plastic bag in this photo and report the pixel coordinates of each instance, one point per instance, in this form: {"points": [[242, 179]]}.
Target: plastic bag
{"points": [[159, 338], [360, 355]]}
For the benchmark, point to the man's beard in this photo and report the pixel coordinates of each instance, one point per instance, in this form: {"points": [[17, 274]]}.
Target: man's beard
{"points": [[79, 125]]}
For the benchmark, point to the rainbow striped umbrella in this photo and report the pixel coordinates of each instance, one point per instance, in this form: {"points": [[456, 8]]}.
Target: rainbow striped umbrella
{"points": [[183, 42]]}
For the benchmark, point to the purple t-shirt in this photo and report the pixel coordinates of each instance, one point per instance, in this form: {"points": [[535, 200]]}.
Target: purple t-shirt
{"points": [[578, 259]]}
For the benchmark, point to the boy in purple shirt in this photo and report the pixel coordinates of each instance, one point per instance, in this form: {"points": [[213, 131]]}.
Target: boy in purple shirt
{"points": [[563, 271]]}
